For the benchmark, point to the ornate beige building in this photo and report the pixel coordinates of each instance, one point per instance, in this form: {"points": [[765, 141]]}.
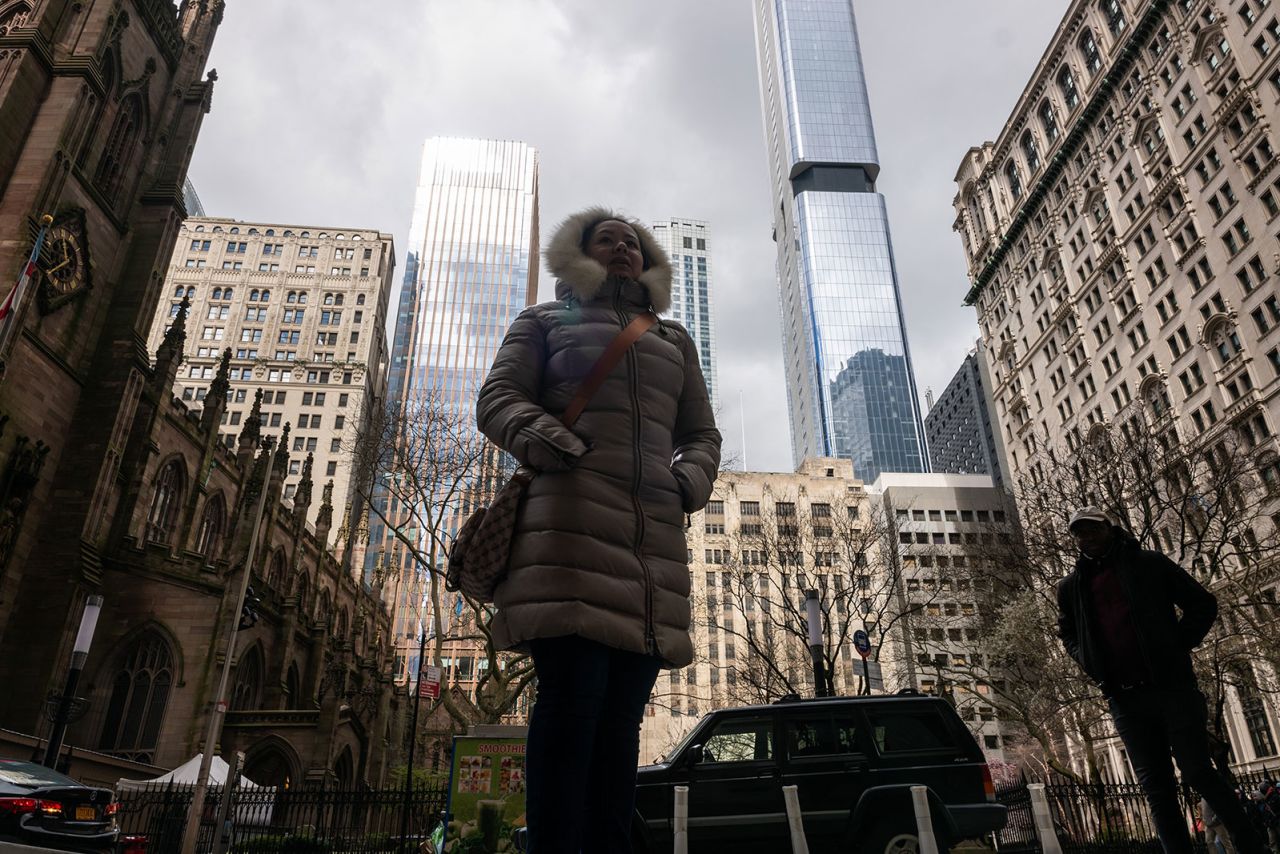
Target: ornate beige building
{"points": [[1121, 230], [1121, 237], [303, 312], [893, 558]]}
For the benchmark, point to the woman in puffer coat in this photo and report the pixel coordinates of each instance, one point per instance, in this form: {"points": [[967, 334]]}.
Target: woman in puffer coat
{"points": [[597, 588]]}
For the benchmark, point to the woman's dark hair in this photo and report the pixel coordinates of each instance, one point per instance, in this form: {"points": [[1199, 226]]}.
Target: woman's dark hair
{"points": [[589, 231]]}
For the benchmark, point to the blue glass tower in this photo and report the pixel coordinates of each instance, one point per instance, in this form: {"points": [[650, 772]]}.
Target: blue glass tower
{"points": [[850, 388]]}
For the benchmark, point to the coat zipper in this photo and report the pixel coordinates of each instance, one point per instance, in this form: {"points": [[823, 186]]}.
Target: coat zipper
{"points": [[633, 387]]}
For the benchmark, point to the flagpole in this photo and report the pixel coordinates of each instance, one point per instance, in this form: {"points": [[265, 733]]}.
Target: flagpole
{"points": [[11, 307]]}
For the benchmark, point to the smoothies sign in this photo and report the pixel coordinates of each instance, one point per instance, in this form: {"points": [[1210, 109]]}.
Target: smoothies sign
{"points": [[486, 794]]}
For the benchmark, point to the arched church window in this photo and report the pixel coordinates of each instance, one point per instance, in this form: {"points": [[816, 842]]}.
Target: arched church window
{"points": [[211, 527], [166, 502], [140, 683], [119, 150], [246, 694]]}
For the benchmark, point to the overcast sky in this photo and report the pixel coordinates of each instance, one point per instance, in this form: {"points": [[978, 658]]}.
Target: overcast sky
{"points": [[652, 106]]}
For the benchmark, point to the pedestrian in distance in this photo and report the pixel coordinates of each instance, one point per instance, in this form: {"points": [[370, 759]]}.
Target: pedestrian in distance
{"points": [[597, 584], [1118, 618], [1268, 802], [1215, 832]]}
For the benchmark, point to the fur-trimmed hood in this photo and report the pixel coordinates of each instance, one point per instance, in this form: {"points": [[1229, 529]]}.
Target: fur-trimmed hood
{"points": [[580, 276]]}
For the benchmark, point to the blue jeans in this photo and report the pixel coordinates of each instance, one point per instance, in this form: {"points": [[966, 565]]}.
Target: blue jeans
{"points": [[1154, 724], [584, 743]]}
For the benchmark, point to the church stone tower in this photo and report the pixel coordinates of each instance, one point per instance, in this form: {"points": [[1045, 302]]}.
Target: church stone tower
{"points": [[101, 102]]}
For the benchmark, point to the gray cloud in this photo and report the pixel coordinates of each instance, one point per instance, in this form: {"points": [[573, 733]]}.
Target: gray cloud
{"points": [[320, 113]]}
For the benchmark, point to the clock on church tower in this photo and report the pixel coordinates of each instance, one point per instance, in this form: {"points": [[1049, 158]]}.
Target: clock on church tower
{"points": [[65, 272]]}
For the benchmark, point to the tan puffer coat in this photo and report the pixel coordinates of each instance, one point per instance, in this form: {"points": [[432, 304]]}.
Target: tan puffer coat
{"points": [[600, 548]]}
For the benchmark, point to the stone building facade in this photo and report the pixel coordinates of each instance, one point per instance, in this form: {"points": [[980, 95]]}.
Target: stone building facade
{"points": [[303, 311], [1121, 231], [1121, 237], [110, 486], [766, 537], [945, 526], [311, 700]]}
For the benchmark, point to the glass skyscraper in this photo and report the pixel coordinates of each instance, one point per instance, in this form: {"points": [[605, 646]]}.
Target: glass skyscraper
{"points": [[471, 267], [850, 388], [687, 241]]}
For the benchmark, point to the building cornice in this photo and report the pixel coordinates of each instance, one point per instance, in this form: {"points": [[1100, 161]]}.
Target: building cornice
{"points": [[1041, 80]]}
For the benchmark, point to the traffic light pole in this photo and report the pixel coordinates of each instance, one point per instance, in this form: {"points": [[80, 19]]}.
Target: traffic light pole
{"points": [[192, 830]]}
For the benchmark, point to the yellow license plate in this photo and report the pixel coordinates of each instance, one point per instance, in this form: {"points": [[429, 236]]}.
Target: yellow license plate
{"points": [[86, 813]]}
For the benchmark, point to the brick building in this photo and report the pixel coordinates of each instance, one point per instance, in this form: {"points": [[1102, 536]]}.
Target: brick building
{"points": [[107, 485]]}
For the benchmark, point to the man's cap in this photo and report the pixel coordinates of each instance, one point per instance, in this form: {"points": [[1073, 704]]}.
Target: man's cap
{"points": [[1088, 514]]}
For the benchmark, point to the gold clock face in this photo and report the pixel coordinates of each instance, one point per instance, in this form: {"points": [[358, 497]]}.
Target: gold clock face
{"points": [[64, 268]]}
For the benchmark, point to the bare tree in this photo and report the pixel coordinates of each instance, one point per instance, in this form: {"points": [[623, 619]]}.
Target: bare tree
{"points": [[422, 468], [1206, 501], [756, 597]]}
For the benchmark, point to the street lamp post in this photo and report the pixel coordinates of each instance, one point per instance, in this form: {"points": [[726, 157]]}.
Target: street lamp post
{"points": [[191, 832], [413, 743], [813, 611], [79, 654]]}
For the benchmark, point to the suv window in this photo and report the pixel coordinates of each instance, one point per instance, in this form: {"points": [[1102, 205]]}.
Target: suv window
{"points": [[739, 740], [821, 735], [905, 731]]}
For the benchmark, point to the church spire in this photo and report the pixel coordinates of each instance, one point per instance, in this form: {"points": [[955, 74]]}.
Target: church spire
{"points": [[169, 353], [252, 431], [215, 403], [324, 516], [302, 498], [282, 454]]}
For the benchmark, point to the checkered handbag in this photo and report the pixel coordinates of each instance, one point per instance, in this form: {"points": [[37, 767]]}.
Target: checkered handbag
{"points": [[480, 552]]}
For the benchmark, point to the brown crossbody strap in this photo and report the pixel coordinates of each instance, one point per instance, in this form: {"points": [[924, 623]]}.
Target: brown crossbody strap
{"points": [[606, 363]]}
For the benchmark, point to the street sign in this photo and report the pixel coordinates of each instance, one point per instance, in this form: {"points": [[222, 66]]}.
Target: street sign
{"points": [[875, 677], [429, 683], [862, 643]]}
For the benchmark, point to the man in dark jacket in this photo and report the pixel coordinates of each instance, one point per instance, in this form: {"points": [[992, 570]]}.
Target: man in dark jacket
{"points": [[1118, 617]]}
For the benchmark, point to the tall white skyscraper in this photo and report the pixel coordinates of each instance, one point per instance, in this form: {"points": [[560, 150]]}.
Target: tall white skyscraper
{"points": [[688, 242]]}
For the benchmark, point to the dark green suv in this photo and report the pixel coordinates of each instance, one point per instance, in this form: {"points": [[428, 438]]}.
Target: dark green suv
{"points": [[854, 761]]}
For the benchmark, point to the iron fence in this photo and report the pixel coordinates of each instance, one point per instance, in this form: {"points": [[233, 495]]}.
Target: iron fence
{"points": [[1101, 818], [291, 821]]}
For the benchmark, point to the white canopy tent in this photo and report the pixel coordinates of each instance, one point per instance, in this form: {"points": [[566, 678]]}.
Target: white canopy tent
{"points": [[257, 811]]}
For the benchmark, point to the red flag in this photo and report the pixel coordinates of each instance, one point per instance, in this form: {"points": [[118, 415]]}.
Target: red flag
{"points": [[27, 273], [24, 279]]}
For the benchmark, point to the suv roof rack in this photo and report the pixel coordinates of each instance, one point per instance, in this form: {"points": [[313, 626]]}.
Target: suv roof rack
{"points": [[788, 698]]}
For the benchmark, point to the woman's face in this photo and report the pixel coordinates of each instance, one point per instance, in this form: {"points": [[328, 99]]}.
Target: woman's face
{"points": [[617, 247]]}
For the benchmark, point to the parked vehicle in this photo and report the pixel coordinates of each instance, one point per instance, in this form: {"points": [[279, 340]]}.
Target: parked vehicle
{"points": [[853, 761], [41, 807]]}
